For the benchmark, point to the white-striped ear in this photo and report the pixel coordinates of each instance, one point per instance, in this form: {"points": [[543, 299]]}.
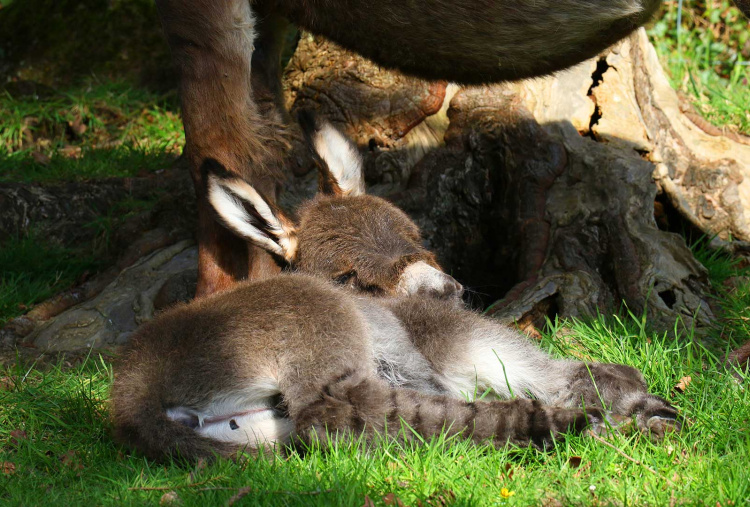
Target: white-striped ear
{"points": [[338, 159], [342, 158], [243, 210]]}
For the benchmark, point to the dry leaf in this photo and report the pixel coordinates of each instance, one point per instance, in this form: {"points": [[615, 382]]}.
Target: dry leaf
{"points": [[391, 499], [581, 470], [442, 498], [532, 332], [241, 493], [170, 498], [70, 460], [508, 472], [16, 436], [8, 467], [683, 384], [200, 465], [551, 502], [70, 151], [77, 126], [368, 502], [40, 158], [527, 327], [574, 461]]}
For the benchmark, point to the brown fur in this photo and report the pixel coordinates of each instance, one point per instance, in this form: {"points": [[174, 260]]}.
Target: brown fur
{"points": [[232, 114], [318, 361], [472, 41], [309, 337], [374, 242]]}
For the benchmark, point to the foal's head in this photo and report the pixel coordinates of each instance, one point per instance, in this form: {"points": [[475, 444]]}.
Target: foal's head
{"points": [[342, 234]]}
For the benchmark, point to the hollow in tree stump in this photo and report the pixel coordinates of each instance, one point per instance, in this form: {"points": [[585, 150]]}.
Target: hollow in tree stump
{"points": [[540, 195]]}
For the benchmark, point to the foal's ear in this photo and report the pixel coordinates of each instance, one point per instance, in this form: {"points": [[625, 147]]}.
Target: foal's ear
{"points": [[338, 159], [248, 214]]}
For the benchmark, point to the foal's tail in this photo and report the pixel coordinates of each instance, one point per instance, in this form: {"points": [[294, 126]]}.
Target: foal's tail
{"points": [[352, 404]]}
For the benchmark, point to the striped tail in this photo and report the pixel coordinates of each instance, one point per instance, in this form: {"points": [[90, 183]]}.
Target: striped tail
{"points": [[352, 405]]}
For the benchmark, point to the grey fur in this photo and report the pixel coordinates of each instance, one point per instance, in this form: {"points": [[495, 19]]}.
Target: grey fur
{"points": [[297, 357]]}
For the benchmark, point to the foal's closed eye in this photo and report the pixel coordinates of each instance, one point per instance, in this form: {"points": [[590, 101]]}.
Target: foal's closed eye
{"points": [[346, 278], [350, 278]]}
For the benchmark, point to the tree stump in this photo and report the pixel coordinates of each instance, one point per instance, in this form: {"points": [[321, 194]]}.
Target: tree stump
{"points": [[539, 196]]}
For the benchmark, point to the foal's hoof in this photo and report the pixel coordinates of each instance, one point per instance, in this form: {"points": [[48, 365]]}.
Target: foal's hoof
{"points": [[659, 418], [612, 423], [655, 426], [658, 426]]}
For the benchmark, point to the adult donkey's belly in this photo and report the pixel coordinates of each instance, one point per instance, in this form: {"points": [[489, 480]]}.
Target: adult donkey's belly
{"points": [[472, 41]]}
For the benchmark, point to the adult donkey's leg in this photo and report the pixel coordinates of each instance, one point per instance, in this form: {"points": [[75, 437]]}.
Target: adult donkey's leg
{"points": [[272, 31], [212, 46]]}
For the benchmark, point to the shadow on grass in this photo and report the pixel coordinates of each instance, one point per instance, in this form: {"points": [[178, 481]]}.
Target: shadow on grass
{"points": [[116, 38], [89, 163], [32, 270], [35, 267]]}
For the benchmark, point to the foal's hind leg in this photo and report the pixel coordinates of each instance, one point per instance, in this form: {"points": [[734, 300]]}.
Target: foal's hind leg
{"points": [[620, 389], [328, 378], [353, 403], [523, 369], [471, 354]]}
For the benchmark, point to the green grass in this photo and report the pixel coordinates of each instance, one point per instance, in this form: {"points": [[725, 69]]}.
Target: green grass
{"points": [[120, 130], [98, 129], [58, 41], [95, 130], [730, 278], [109, 111], [708, 58], [32, 270], [67, 456], [93, 163]]}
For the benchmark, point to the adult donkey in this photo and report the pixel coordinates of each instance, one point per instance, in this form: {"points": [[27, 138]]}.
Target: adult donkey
{"points": [[228, 56]]}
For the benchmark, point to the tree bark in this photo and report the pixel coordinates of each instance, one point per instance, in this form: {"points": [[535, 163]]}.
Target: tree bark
{"points": [[542, 194], [545, 197]]}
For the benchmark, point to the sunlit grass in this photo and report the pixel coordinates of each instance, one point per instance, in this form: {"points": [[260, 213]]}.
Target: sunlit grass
{"points": [[96, 113], [68, 457], [95, 130], [707, 58]]}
